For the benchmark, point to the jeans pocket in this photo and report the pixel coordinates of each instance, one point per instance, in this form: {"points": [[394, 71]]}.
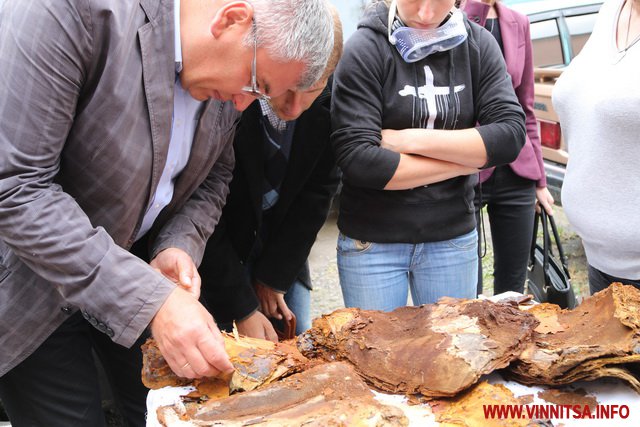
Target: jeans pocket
{"points": [[349, 246], [466, 241]]}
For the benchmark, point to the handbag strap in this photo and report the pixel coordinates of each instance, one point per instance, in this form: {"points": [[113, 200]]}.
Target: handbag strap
{"points": [[556, 237], [547, 222], [534, 238], [546, 242]]}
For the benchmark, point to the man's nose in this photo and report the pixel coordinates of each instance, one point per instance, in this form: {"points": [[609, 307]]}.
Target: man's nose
{"points": [[294, 105], [242, 101]]}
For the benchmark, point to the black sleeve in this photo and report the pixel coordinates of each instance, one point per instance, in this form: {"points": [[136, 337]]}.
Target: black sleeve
{"points": [[500, 116], [226, 288], [356, 114]]}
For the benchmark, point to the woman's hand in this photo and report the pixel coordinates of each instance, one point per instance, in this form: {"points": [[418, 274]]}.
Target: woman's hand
{"points": [[544, 199]]}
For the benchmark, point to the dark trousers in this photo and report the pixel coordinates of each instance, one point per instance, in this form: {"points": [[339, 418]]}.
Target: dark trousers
{"points": [[510, 201], [599, 280], [58, 384]]}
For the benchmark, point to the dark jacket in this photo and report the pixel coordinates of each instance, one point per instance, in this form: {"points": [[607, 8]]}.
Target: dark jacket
{"points": [[305, 197], [375, 89]]}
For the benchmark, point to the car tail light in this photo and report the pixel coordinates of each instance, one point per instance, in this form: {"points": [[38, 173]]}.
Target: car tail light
{"points": [[549, 134]]}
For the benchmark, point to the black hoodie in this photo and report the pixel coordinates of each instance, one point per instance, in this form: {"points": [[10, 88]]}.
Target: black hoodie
{"points": [[374, 89]]}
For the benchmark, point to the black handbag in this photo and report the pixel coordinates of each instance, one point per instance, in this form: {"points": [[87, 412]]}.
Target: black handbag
{"points": [[548, 277]]}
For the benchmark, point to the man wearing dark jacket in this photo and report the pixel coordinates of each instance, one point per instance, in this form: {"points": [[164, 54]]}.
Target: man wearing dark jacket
{"points": [[255, 264]]}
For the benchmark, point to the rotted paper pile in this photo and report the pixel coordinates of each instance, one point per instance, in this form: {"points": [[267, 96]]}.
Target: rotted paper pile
{"points": [[435, 352]]}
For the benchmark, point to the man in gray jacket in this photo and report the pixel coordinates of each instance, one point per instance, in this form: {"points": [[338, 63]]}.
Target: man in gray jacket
{"points": [[116, 123]]}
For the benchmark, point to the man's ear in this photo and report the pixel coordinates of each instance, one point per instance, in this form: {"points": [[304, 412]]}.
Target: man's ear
{"points": [[235, 13]]}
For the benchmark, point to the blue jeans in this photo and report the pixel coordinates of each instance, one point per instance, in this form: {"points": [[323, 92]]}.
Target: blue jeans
{"points": [[378, 276], [298, 299]]}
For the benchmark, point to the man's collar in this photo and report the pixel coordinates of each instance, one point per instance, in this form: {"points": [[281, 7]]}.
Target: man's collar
{"points": [[276, 122]]}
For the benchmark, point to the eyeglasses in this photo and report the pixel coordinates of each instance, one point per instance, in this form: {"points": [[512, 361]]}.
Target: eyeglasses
{"points": [[253, 89]]}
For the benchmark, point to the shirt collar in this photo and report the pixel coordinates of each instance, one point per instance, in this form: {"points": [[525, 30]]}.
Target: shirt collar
{"points": [[176, 35], [276, 122]]}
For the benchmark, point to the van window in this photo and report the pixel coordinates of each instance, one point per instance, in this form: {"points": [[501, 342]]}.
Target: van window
{"points": [[547, 50]]}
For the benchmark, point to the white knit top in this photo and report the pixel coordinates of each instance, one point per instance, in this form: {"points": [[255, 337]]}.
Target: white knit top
{"points": [[598, 102]]}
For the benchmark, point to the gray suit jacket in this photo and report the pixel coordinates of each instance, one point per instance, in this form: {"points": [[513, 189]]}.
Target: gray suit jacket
{"points": [[85, 122]]}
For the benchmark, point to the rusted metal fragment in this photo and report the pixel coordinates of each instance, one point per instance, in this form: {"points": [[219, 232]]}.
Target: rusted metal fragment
{"points": [[432, 350], [328, 394], [156, 372], [257, 362], [467, 409], [599, 338]]}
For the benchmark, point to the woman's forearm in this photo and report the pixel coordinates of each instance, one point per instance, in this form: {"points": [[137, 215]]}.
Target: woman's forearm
{"points": [[463, 147], [415, 171]]}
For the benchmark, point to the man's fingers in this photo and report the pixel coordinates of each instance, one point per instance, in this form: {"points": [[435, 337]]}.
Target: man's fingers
{"points": [[215, 355], [196, 284], [269, 308], [186, 371], [270, 333], [185, 280], [189, 278], [284, 309], [207, 359], [274, 311], [193, 348], [185, 272]]}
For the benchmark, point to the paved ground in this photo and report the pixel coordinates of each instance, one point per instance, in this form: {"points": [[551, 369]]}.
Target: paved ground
{"points": [[326, 295]]}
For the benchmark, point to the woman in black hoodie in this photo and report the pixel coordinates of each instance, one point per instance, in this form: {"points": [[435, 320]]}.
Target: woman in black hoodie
{"points": [[421, 102]]}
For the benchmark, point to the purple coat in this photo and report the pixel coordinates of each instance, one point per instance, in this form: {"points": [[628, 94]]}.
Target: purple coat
{"points": [[518, 55]]}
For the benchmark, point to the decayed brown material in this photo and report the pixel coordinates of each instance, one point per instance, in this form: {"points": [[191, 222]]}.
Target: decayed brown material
{"points": [[257, 362], [328, 394], [599, 338], [568, 397], [434, 350], [467, 409]]}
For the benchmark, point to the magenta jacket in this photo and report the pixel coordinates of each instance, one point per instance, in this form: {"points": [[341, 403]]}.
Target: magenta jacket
{"points": [[518, 54]]}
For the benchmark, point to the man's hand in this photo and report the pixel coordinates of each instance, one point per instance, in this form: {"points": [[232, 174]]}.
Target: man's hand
{"points": [[188, 337], [257, 326], [272, 302], [177, 266]]}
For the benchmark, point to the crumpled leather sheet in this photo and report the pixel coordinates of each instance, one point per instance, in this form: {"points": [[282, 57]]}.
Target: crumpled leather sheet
{"points": [[568, 397], [466, 409], [433, 350], [257, 362], [599, 338], [330, 394]]}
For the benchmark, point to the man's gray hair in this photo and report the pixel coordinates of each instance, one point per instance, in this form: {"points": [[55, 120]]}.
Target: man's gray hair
{"points": [[295, 30]]}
